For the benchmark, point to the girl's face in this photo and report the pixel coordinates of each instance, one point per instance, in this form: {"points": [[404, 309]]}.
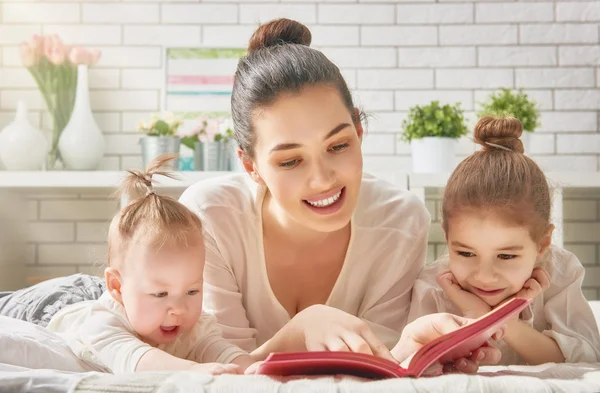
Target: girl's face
{"points": [[308, 154], [490, 258]]}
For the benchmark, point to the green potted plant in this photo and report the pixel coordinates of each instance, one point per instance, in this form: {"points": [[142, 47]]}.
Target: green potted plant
{"points": [[211, 142], [432, 131], [518, 104], [160, 137]]}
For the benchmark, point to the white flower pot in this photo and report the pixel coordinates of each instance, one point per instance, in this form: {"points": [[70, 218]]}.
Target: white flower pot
{"points": [[22, 146], [81, 143], [433, 154]]}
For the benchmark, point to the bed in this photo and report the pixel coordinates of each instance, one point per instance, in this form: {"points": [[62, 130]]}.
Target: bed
{"points": [[34, 360]]}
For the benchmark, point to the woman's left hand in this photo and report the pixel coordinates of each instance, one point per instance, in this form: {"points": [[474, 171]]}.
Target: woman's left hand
{"points": [[429, 327]]}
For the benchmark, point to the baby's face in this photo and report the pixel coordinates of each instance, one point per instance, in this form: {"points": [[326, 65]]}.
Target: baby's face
{"points": [[490, 258], [162, 291]]}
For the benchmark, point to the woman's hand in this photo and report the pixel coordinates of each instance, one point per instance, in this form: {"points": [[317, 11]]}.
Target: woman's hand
{"points": [[324, 328], [429, 327], [469, 304]]}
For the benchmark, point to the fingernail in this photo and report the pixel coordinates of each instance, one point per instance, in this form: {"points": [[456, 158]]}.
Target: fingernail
{"points": [[462, 363], [481, 356]]}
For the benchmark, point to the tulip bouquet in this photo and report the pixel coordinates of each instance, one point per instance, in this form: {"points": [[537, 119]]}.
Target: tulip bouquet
{"points": [[53, 66]]}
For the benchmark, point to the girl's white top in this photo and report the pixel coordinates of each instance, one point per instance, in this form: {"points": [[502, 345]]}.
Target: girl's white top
{"points": [[560, 312], [100, 334], [386, 252]]}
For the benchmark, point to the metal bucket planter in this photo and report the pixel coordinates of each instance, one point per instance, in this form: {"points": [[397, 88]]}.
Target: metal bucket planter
{"points": [[212, 156], [154, 146]]}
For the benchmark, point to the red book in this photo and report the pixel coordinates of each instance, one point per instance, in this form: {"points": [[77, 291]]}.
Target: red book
{"points": [[445, 349]]}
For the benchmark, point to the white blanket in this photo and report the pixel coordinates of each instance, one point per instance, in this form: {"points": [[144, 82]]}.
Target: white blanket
{"points": [[522, 379], [568, 378]]}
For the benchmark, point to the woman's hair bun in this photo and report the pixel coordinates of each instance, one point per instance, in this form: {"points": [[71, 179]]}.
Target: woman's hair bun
{"points": [[279, 32], [503, 131]]}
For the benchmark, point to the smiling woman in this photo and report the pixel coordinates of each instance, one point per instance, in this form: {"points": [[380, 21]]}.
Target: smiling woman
{"points": [[304, 251]]}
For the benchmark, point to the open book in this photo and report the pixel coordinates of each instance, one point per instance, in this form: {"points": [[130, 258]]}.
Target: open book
{"points": [[445, 349]]}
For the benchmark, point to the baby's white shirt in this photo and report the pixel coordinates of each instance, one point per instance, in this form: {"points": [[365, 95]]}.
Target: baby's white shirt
{"points": [[99, 333], [561, 312]]}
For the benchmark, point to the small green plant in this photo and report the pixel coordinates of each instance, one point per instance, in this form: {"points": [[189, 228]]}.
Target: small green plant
{"points": [[434, 120], [517, 104]]}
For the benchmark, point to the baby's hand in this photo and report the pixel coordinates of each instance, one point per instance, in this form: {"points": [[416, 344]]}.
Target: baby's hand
{"points": [[470, 305], [538, 283], [217, 368]]}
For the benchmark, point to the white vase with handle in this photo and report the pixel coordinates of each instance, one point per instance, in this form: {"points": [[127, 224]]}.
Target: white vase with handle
{"points": [[81, 143], [22, 146]]}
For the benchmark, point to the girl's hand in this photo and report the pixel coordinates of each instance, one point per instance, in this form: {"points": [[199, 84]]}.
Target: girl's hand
{"points": [[429, 327], [217, 368], [324, 328], [469, 305], [538, 283]]}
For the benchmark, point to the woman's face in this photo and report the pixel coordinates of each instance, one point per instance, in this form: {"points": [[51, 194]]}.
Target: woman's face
{"points": [[308, 154]]}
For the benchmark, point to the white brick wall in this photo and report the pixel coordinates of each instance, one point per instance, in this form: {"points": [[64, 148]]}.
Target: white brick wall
{"points": [[394, 54]]}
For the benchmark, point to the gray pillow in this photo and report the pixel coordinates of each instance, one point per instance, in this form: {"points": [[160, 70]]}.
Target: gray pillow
{"points": [[38, 303]]}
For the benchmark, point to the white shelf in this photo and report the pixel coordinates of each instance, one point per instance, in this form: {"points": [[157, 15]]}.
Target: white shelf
{"points": [[79, 180], [24, 180], [556, 179]]}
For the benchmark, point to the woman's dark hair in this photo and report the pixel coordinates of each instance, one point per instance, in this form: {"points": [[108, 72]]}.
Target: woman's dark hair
{"points": [[279, 60]]}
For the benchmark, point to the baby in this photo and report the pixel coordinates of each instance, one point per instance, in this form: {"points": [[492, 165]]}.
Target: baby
{"points": [[496, 220], [150, 317]]}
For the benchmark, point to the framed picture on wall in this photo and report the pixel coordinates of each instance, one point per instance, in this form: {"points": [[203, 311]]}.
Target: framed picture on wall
{"points": [[200, 79], [197, 89]]}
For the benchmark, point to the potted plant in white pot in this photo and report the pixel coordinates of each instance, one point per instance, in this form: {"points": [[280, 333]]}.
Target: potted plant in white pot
{"points": [[161, 137], [432, 131], [517, 104]]}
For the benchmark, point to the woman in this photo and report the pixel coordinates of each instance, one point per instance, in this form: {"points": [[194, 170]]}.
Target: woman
{"points": [[307, 252]]}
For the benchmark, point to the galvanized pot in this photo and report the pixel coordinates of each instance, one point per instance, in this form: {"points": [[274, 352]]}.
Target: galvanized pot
{"points": [[212, 156], [154, 146]]}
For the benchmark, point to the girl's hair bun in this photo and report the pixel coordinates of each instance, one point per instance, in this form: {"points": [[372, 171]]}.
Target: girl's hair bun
{"points": [[503, 131]]}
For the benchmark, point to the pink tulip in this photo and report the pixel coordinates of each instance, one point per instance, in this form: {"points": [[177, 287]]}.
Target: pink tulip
{"points": [[79, 56], [37, 44], [84, 56], [27, 54], [55, 50], [94, 56]]}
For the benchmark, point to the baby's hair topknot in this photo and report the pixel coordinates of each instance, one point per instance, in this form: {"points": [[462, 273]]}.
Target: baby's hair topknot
{"points": [[149, 217]]}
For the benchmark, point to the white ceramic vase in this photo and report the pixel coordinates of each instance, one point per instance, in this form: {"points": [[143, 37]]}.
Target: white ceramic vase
{"points": [[22, 146], [81, 143], [433, 154]]}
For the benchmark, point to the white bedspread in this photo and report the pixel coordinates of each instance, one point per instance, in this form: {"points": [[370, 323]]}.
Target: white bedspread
{"points": [[568, 378], [547, 378]]}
